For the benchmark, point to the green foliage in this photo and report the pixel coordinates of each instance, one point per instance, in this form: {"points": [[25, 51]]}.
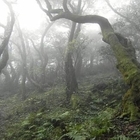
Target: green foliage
{"points": [[61, 125], [75, 101], [122, 137], [92, 127], [44, 116], [101, 124], [33, 127], [74, 136]]}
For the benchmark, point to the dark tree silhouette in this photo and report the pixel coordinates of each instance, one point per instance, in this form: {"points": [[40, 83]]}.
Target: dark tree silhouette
{"points": [[7, 34]]}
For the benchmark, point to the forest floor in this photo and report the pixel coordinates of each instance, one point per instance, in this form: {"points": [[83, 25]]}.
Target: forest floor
{"points": [[91, 115]]}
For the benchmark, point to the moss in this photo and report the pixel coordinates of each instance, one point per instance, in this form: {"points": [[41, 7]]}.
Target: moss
{"points": [[129, 108], [75, 101], [128, 70]]}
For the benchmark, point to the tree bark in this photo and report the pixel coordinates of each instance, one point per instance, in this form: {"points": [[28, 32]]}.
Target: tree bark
{"points": [[78, 64]]}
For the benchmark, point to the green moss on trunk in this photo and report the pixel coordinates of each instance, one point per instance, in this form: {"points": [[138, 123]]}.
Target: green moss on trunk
{"points": [[129, 68], [129, 107]]}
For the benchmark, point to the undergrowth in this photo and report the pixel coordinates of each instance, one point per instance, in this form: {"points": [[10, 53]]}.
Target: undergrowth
{"points": [[46, 116]]}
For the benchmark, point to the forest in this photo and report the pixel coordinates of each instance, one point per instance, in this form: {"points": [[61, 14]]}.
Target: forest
{"points": [[69, 70]]}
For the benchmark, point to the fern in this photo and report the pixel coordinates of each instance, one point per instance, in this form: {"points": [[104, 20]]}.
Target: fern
{"points": [[122, 137], [74, 136]]}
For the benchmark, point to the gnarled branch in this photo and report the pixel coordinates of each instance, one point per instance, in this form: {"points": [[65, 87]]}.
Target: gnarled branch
{"points": [[7, 35]]}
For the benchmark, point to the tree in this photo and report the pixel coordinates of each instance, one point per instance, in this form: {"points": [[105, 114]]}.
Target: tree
{"points": [[23, 54], [128, 19], [43, 57], [7, 34], [71, 81], [121, 47]]}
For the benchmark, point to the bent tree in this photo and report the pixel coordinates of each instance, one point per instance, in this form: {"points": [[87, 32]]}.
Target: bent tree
{"points": [[126, 62], [7, 34]]}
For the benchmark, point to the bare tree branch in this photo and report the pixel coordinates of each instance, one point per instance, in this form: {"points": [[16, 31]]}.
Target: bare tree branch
{"points": [[7, 35], [126, 18], [8, 29], [48, 5], [65, 6], [44, 10]]}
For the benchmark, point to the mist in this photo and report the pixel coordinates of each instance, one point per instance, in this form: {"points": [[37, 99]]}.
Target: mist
{"points": [[69, 69]]}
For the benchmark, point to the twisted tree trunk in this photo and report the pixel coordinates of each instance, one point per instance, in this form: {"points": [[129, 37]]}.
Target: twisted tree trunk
{"points": [[7, 34]]}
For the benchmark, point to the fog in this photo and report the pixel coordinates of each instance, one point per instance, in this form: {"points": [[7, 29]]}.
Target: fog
{"points": [[47, 57]]}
